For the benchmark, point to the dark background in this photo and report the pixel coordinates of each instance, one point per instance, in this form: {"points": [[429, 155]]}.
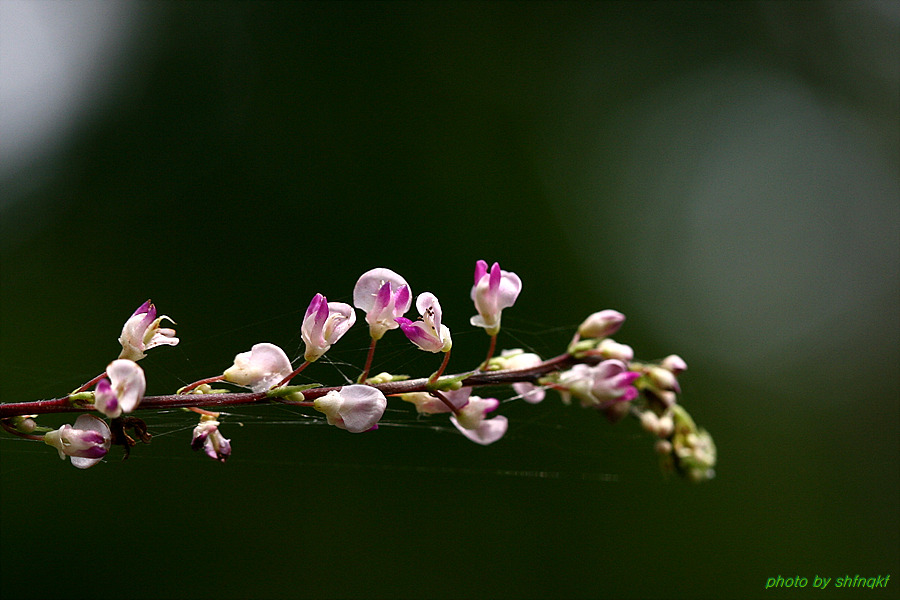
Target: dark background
{"points": [[725, 174]]}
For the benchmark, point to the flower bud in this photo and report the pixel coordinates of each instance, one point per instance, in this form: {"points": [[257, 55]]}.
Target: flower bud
{"points": [[665, 426], [663, 379], [610, 348], [673, 363], [649, 421], [601, 324]]}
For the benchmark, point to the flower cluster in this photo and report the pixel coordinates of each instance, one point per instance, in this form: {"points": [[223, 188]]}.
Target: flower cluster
{"points": [[597, 371]]}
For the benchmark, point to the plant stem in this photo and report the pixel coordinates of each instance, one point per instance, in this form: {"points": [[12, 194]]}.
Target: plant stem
{"points": [[490, 353], [296, 372], [446, 402], [197, 384], [440, 371], [365, 373], [89, 383], [216, 401]]}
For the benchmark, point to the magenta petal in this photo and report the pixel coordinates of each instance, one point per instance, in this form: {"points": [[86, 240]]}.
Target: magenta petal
{"points": [[93, 452], [625, 379], [199, 440], [415, 333], [321, 313], [494, 283], [630, 394], [402, 300], [383, 298], [143, 308], [480, 270], [314, 304], [490, 405], [148, 319], [103, 386]]}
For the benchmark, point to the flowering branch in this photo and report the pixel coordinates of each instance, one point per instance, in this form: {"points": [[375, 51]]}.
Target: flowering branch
{"points": [[595, 370], [229, 399]]}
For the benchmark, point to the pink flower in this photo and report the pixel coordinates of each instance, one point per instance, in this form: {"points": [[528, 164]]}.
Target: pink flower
{"points": [[428, 333], [142, 331], [492, 293], [324, 324], [599, 386], [86, 443], [471, 419], [470, 412], [122, 391], [207, 436], [260, 369], [356, 408], [384, 296]]}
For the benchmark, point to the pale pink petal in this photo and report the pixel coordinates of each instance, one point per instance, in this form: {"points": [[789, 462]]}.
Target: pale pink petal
{"points": [[488, 432], [264, 366]]}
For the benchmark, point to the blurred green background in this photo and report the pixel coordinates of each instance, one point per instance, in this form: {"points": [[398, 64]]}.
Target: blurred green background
{"points": [[725, 174]]}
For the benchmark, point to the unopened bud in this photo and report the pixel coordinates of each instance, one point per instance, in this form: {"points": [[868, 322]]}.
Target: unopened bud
{"points": [[663, 379], [612, 349], [649, 421], [666, 397], [665, 426], [673, 363], [601, 324]]}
